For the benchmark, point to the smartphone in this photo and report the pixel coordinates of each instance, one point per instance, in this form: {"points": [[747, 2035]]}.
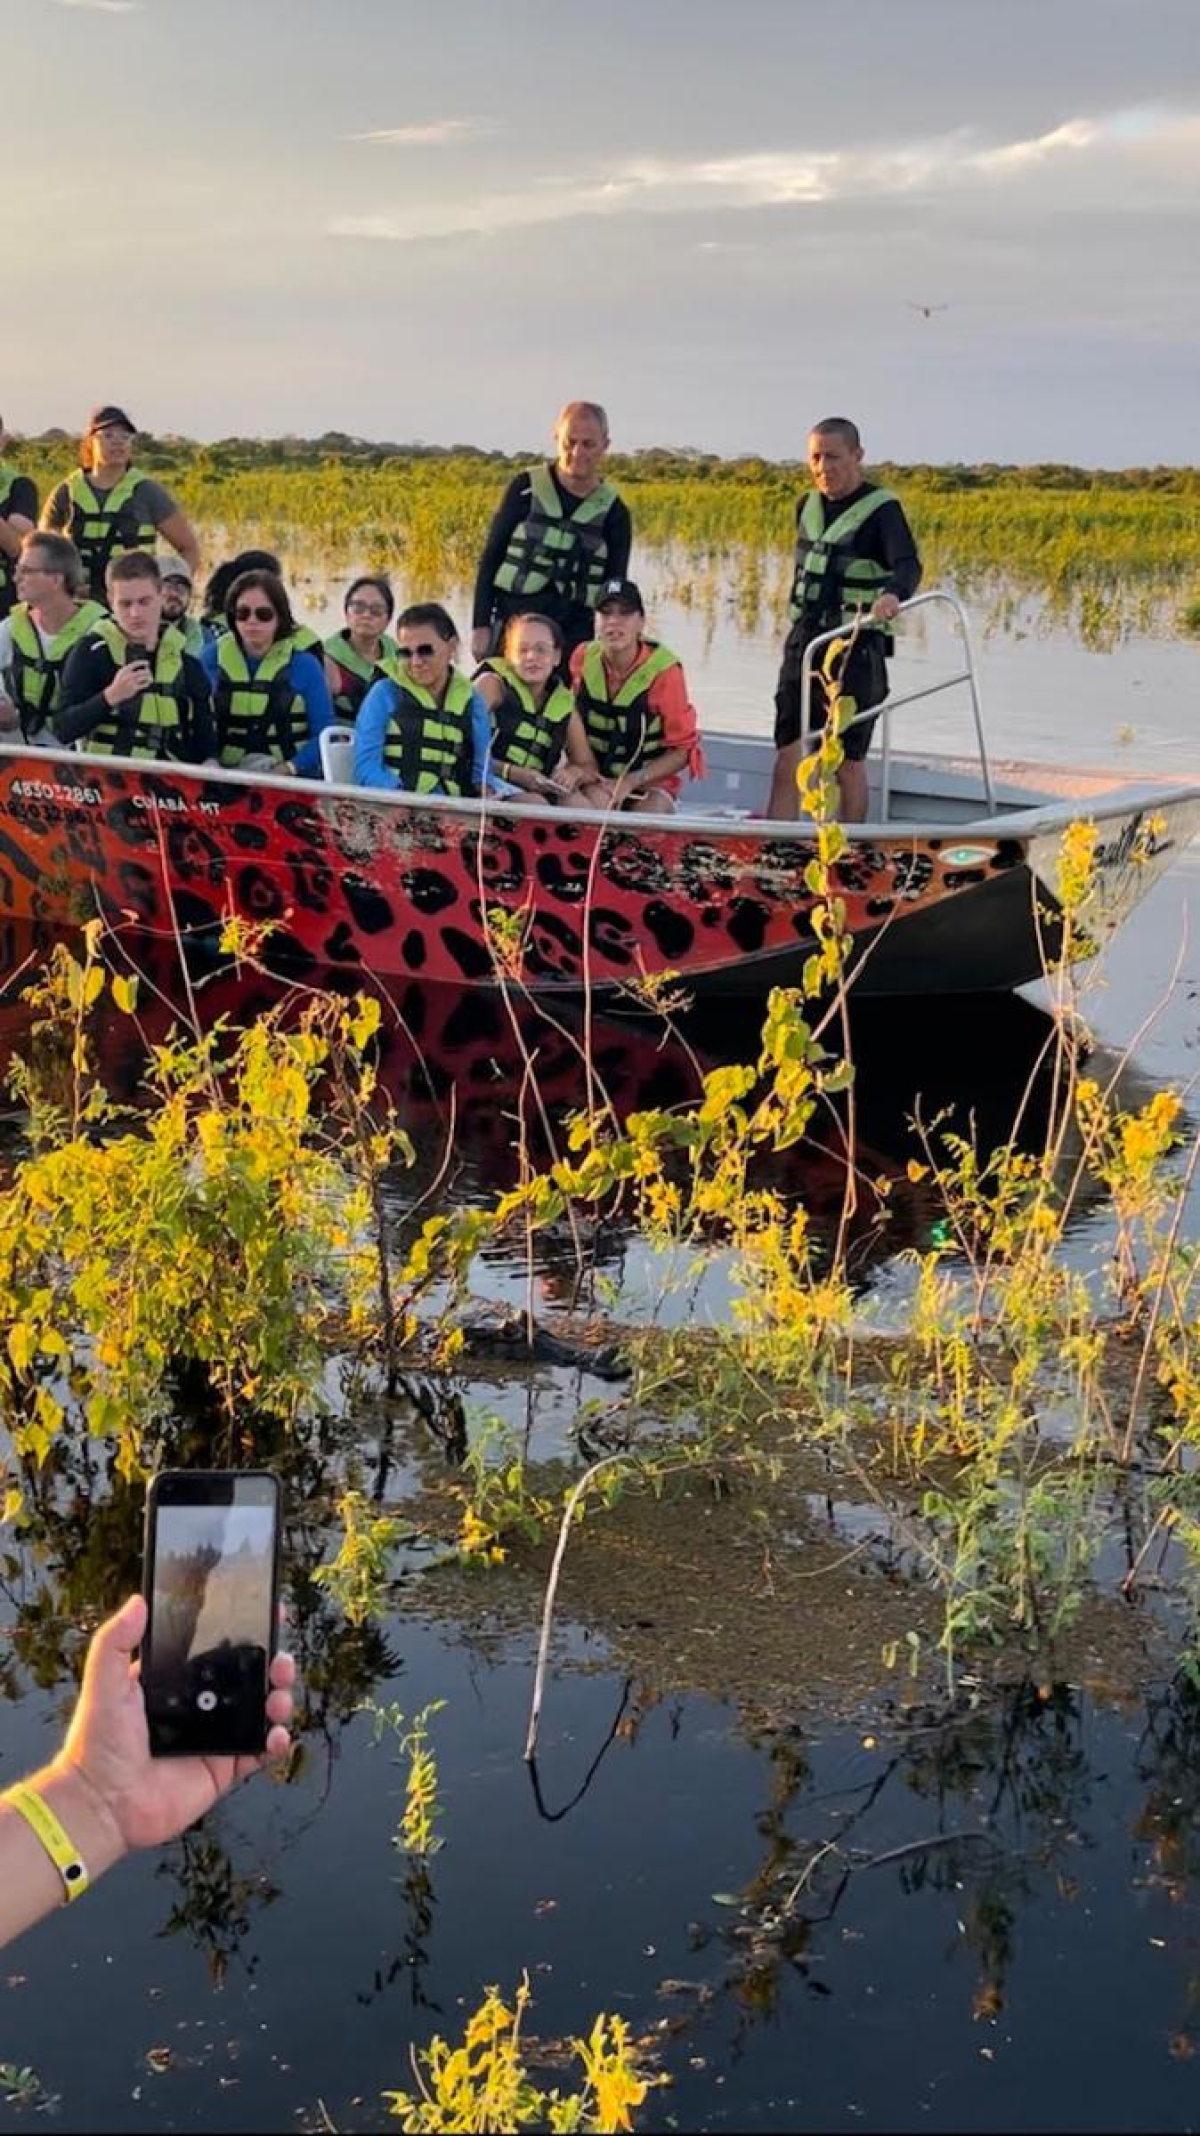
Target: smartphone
{"points": [[212, 1585]]}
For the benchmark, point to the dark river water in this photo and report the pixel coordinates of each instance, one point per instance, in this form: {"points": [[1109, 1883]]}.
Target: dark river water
{"points": [[867, 1917]]}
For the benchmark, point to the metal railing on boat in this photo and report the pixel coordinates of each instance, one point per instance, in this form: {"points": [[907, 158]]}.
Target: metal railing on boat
{"points": [[810, 736]]}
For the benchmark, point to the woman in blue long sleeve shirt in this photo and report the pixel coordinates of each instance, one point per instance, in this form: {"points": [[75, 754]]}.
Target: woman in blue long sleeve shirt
{"points": [[271, 698], [430, 732]]}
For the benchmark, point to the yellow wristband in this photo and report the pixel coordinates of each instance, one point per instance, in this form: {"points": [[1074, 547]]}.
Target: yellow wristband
{"points": [[62, 1851]]}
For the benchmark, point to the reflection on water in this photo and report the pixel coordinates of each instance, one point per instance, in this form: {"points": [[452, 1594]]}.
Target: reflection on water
{"points": [[484, 1084], [984, 1916]]}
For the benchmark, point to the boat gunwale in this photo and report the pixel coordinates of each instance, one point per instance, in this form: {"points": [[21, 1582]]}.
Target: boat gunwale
{"points": [[1013, 824]]}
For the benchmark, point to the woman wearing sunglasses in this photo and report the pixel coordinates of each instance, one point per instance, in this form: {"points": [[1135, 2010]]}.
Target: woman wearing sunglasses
{"points": [[359, 654], [270, 696], [425, 730]]}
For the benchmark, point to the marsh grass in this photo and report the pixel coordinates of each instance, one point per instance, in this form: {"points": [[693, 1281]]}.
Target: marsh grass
{"points": [[1105, 553]]}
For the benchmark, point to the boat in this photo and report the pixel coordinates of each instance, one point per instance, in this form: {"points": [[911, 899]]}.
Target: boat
{"points": [[951, 886]]}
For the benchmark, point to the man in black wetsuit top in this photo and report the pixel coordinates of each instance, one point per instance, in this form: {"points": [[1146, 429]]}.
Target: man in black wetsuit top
{"points": [[561, 533], [856, 561]]}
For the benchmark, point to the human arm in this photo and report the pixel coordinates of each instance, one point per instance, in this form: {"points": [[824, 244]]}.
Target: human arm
{"points": [[9, 717], [512, 509], [485, 775], [897, 552], [20, 518], [370, 734], [107, 1792], [308, 676], [172, 525], [93, 688], [200, 726], [56, 512], [618, 538]]}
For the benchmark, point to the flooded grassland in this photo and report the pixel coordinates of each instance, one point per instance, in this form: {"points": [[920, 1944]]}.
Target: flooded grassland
{"points": [[863, 1787]]}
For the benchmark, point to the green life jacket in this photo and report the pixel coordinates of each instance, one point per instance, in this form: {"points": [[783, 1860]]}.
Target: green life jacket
{"points": [[9, 477], [154, 728], [259, 714], [831, 585], [428, 745], [549, 549], [357, 674], [193, 634], [33, 678], [102, 523], [622, 730], [522, 734]]}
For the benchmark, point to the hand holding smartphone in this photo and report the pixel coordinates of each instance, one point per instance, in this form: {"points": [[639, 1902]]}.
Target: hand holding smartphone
{"points": [[212, 1586]]}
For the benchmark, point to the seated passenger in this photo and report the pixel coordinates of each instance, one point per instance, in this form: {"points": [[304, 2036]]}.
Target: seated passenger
{"points": [[271, 697], [358, 655], [177, 601], [50, 618], [216, 593], [426, 730], [639, 724], [131, 688], [538, 742]]}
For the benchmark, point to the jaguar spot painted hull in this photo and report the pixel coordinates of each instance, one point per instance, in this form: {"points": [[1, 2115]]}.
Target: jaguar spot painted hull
{"points": [[455, 891]]}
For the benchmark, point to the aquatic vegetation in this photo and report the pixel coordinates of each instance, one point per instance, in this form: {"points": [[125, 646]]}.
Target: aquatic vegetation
{"points": [[359, 1576], [1105, 552], [484, 2084], [192, 1258], [414, 1834]]}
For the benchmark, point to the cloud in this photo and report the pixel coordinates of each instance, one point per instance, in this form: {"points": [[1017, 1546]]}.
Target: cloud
{"points": [[1110, 152], [103, 7], [435, 134]]}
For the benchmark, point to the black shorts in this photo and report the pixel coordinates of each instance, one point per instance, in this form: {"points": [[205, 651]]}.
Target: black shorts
{"points": [[864, 678]]}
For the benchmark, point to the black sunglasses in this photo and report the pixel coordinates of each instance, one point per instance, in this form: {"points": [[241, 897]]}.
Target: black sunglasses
{"points": [[255, 615], [418, 652]]}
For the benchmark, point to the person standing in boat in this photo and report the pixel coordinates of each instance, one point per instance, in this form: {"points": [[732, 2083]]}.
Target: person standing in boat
{"points": [[270, 694], [358, 654], [425, 730], [108, 505], [560, 532], [51, 617], [538, 739], [177, 601], [18, 517], [856, 561], [639, 722], [132, 688]]}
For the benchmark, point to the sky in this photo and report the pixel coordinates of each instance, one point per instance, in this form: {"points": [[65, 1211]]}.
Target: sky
{"points": [[439, 222]]}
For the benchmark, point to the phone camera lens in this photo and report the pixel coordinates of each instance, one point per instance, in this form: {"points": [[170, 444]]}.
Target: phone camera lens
{"points": [[207, 1701]]}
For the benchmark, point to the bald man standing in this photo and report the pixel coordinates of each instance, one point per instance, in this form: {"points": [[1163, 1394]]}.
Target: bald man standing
{"points": [[561, 533]]}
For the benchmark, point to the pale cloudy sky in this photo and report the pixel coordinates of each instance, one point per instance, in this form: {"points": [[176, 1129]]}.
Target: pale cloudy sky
{"points": [[417, 220]]}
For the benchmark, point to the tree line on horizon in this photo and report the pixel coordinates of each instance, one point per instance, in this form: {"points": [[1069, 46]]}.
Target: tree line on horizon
{"points": [[55, 448]]}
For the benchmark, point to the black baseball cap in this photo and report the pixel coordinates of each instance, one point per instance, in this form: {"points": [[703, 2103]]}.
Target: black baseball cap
{"points": [[621, 593], [110, 418]]}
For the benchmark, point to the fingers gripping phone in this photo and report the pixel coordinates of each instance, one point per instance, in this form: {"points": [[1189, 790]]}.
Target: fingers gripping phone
{"points": [[212, 1585]]}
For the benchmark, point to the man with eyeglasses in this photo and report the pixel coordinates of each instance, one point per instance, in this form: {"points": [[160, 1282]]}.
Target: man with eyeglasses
{"points": [[132, 688], [50, 618], [18, 517]]}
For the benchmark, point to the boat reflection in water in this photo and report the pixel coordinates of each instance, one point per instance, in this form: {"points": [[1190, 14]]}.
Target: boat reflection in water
{"points": [[483, 1084]]}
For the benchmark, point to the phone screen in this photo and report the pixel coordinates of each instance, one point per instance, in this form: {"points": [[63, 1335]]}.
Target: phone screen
{"points": [[212, 1541]]}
